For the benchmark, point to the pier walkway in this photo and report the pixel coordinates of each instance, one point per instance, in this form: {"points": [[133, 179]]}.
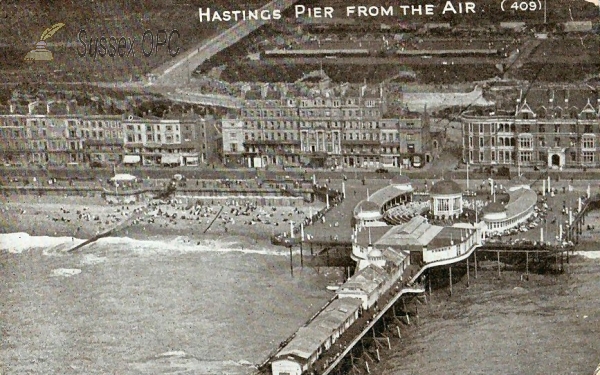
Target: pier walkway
{"points": [[388, 300], [370, 326]]}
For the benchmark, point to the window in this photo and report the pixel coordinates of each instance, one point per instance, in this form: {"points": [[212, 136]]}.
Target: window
{"points": [[542, 129], [588, 157], [525, 156], [573, 128], [526, 128], [557, 128], [481, 128], [542, 141], [480, 141], [588, 142], [470, 141], [572, 141], [573, 156], [525, 142], [556, 141]]}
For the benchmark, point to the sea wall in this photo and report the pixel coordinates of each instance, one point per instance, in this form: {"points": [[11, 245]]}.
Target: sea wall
{"points": [[242, 200]]}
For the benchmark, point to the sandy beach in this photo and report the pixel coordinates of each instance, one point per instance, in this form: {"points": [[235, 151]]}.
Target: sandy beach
{"points": [[83, 217]]}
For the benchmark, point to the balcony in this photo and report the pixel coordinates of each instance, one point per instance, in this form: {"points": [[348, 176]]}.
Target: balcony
{"points": [[269, 142], [355, 142]]}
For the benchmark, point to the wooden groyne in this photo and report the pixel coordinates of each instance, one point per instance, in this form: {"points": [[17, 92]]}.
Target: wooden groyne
{"points": [[213, 220], [119, 226]]}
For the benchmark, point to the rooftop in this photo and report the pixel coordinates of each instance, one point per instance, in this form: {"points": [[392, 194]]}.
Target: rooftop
{"points": [[303, 344], [412, 235], [366, 280], [494, 207], [394, 256], [448, 236], [384, 195], [317, 331], [520, 200], [376, 233], [445, 187]]}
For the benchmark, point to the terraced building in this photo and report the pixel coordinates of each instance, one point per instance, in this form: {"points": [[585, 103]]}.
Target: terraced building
{"points": [[554, 126]]}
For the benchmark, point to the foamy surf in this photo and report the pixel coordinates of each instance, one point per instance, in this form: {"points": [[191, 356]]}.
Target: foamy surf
{"points": [[179, 245], [55, 246], [16, 243]]}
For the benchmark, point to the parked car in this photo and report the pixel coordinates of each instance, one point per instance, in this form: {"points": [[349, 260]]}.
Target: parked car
{"points": [[381, 170]]}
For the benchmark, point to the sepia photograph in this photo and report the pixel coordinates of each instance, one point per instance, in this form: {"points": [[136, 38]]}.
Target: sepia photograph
{"points": [[299, 187]]}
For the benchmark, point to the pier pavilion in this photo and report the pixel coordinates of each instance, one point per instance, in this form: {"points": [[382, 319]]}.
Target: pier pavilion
{"points": [[446, 199]]}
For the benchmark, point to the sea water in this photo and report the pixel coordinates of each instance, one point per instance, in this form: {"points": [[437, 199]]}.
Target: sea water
{"points": [[124, 306]]}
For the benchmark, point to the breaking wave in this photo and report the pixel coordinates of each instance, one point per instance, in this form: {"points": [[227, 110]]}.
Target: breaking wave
{"points": [[17, 243]]}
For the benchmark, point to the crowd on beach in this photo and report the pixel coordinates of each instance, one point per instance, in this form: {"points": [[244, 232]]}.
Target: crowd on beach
{"points": [[233, 212]]}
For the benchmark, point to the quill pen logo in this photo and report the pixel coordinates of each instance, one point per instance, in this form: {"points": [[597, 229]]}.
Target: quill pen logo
{"points": [[41, 53]]}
